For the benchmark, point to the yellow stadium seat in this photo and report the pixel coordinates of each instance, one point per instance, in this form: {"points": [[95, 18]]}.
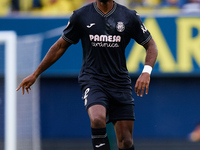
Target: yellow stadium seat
{"points": [[4, 7]]}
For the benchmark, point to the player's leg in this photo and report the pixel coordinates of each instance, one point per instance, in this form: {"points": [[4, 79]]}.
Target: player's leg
{"points": [[97, 114], [121, 113], [124, 134]]}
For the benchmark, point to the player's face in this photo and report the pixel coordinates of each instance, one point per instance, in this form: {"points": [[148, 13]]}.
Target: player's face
{"points": [[104, 1]]}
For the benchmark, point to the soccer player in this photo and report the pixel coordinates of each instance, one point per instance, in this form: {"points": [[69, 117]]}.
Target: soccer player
{"points": [[105, 29]]}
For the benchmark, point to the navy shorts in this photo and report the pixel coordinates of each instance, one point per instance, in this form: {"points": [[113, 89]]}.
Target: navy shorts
{"points": [[119, 104]]}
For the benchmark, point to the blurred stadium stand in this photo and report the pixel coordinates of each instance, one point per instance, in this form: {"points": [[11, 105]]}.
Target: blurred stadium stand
{"points": [[65, 7]]}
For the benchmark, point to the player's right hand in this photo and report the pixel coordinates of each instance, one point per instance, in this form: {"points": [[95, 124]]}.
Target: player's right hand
{"points": [[26, 83]]}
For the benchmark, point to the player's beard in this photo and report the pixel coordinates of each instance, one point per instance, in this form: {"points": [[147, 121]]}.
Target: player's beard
{"points": [[104, 1]]}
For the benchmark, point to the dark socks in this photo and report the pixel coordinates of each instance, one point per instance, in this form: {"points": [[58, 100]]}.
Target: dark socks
{"points": [[132, 148], [100, 139]]}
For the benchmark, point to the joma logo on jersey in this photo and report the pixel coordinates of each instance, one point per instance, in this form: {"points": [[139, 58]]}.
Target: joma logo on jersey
{"points": [[105, 38]]}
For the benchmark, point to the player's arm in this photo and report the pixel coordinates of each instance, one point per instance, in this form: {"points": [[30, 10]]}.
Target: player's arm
{"points": [[54, 53], [144, 79]]}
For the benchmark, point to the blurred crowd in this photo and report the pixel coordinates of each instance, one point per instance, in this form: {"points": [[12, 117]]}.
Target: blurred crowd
{"points": [[65, 7]]}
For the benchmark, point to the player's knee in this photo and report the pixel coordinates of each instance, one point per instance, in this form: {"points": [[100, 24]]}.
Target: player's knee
{"points": [[125, 143], [98, 122]]}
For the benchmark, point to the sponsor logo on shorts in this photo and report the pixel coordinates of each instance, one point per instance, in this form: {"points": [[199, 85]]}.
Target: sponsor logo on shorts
{"points": [[86, 95]]}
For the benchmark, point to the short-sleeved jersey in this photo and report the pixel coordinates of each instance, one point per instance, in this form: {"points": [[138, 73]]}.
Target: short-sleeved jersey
{"points": [[104, 38]]}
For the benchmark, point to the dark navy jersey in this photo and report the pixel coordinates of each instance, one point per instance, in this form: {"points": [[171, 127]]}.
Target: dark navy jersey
{"points": [[104, 38]]}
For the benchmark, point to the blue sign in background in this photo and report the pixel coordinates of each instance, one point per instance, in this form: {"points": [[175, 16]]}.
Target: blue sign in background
{"points": [[50, 29]]}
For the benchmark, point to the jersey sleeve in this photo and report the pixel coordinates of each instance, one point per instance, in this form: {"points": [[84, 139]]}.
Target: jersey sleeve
{"points": [[71, 33], [140, 33]]}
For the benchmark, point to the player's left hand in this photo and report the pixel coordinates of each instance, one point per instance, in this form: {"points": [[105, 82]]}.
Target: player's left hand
{"points": [[142, 83]]}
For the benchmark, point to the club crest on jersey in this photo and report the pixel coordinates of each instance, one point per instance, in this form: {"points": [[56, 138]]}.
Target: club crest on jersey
{"points": [[120, 26]]}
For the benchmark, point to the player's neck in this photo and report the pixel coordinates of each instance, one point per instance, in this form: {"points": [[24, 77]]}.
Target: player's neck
{"points": [[105, 7]]}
